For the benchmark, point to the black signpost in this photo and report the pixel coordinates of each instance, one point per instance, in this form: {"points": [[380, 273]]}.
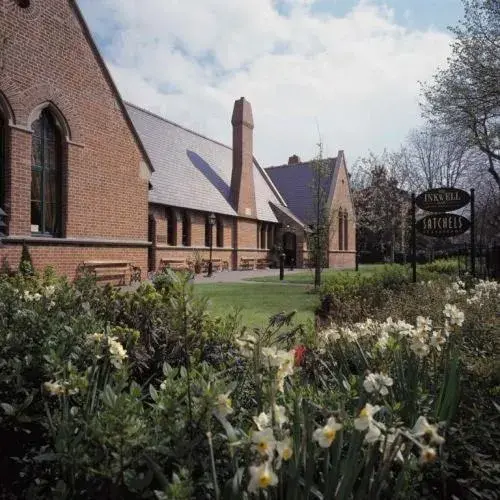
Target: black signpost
{"points": [[441, 223]]}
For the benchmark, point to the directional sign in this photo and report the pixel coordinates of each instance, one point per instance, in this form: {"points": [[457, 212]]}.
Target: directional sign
{"points": [[442, 199], [442, 225]]}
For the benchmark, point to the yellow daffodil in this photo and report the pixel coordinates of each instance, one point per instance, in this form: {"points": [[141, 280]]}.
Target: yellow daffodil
{"points": [[224, 406], [264, 442], [326, 435], [427, 455], [426, 431], [365, 421], [261, 477]]}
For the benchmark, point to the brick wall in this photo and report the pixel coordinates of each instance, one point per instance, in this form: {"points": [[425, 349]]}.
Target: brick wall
{"points": [[342, 200], [47, 58]]}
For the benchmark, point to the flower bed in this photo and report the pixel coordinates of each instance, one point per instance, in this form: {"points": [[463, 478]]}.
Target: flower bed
{"points": [[106, 394]]}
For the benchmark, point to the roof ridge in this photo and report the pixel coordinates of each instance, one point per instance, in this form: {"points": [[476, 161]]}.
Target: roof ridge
{"points": [[287, 165], [162, 118]]}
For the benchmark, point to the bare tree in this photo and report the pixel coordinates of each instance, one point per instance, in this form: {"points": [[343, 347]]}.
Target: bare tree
{"points": [[465, 96], [435, 157]]}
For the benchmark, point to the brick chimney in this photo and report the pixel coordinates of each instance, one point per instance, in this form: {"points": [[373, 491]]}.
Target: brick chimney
{"points": [[242, 185], [293, 160]]}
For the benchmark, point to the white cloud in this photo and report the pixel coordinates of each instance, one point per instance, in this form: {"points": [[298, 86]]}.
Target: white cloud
{"points": [[355, 76]]}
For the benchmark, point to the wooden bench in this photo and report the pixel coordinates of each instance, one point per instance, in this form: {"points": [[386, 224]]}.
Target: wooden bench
{"points": [[247, 263], [109, 270], [263, 263], [217, 265], [175, 264]]}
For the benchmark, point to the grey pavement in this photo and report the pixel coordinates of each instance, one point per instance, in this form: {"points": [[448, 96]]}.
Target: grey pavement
{"points": [[241, 276]]}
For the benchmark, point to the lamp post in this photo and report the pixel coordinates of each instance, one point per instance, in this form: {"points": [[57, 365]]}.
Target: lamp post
{"points": [[211, 223]]}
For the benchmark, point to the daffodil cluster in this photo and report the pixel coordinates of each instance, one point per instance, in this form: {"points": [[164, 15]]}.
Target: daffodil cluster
{"points": [[421, 337], [117, 353], [273, 446]]}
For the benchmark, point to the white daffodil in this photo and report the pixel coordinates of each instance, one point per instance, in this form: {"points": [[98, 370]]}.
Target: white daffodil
{"points": [[262, 421], [261, 477], [49, 291], [280, 415], [419, 347], [424, 324], [326, 435], [438, 338], [54, 388], [365, 421], [117, 352], [427, 455], [247, 345], [285, 451], [453, 313], [270, 356], [224, 405], [264, 442], [378, 383], [423, 429]]}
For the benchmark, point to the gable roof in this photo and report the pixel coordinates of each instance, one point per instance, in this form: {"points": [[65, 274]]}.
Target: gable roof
{"points": [[295, 183], [110, 81], [193, 171]]}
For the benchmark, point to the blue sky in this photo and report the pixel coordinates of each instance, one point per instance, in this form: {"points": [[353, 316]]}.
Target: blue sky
{"points": [[344, 68]]}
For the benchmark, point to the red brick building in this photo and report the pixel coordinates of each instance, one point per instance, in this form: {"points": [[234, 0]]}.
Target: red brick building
{"points": [[84, 176]]}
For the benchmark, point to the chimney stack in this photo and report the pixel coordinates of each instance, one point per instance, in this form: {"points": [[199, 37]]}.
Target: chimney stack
{"points": [[242, 185], [293, 160]]}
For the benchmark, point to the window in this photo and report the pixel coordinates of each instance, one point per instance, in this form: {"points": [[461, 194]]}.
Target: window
{"points": [[171, 227], [341, 230], [220, 232], [3, 155], [270, 236], [258, 235], [186, 230], [346, 232], [46, 176], [263, 236], [208, 231]]}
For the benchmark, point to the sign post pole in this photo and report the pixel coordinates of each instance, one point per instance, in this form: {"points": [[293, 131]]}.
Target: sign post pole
{"points": [[472, 235], [413, 240]]}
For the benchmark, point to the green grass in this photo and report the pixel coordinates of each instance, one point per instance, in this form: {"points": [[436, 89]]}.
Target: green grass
{"points": [[307, 277], [258, 302]]}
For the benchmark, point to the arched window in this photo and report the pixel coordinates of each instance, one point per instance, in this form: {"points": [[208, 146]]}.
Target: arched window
{"points": [[3, 133], [46, 174], [171, 227], [220, 232], [186, 229], [346, 232], [341, 230]]}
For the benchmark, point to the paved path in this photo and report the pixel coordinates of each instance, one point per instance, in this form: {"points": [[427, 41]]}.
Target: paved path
{"points": [[241, 276]]}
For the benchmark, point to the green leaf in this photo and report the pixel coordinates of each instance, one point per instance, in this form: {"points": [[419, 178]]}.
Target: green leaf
{"points": [[8, 409], [153, 392]]}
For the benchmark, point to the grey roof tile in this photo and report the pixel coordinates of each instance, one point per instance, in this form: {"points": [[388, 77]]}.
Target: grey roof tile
{"points": [[193, 171], [295, 184]]}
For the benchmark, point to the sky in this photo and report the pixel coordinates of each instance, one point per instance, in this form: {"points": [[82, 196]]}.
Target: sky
{"points": [[341, 72]]}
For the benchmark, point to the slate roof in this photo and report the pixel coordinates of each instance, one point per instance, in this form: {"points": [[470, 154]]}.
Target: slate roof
{"points": [[193, 171], [295, 184]]}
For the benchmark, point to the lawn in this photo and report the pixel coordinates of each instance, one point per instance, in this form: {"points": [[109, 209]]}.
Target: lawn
{"points": [[258, 302], [307, 277]]}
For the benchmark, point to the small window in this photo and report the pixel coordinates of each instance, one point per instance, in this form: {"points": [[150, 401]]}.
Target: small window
{"points": [[186, 230], [270, 241], [171, 227], [220, 232], [341, 230]]}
